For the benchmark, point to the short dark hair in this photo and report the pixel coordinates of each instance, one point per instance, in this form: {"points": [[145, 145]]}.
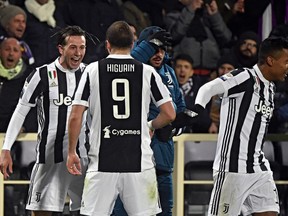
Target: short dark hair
{"points": [[185, 57], [69, 31], [119, 35], [271, 46]]}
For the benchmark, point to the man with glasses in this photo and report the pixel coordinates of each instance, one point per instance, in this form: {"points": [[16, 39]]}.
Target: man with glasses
{"points": [[245, 50]]}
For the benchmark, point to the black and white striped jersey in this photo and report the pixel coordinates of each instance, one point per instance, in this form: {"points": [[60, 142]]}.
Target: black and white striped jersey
{"points": [[246, 109], [51, 88], [118, 91]]}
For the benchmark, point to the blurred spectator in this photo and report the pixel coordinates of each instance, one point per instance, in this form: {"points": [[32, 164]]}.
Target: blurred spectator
{"points": [[255, 19], [189, 86], [199, 30], [13, 24], [134, 16], [133, 29], [154, 9], [13, 72], [279, 121], [229, 8], [225, 64], [43, 20], [94, 16], [245, 50], [280, 30]]}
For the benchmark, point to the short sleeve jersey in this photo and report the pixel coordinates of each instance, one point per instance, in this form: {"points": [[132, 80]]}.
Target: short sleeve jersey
{"points": [[118, 91]]}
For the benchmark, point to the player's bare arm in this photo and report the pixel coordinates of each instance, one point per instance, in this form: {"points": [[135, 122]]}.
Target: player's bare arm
{"points": [[74, 128], [167, 115], [6, 163]]}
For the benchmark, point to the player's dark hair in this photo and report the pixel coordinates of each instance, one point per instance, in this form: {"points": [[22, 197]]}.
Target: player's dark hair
{"points": [[120, 35], [271, 46], [185, 57], [69, 31]]}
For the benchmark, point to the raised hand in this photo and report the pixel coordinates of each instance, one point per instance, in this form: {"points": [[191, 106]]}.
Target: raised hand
{"points": [[160, 39]]}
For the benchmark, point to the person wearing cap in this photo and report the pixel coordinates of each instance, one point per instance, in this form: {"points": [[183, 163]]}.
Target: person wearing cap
{"points": [[13, 24], [13, 21]]}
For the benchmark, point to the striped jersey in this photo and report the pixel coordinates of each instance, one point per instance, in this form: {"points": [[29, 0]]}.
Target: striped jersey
{"points": [[246, 109], [118, 91], [51, 88]]}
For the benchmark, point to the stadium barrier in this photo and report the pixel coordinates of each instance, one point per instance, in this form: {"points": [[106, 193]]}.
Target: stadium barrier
{"points": [[178, 176]]}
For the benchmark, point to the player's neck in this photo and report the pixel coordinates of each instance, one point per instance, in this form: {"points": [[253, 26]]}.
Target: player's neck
{"points": [[120, 51]]}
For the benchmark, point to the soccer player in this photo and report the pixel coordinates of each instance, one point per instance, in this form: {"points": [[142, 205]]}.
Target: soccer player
{"points": [[51, 89], [117, 92], [242, 175]]}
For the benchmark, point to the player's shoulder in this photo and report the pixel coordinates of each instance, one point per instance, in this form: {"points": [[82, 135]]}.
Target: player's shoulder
{"points": [[238, 73], [147, 67]]}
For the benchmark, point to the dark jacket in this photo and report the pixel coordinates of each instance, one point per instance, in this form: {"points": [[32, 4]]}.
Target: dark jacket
{"points": [[163, 151], [10, 91], [39, 36], [205, 53]]}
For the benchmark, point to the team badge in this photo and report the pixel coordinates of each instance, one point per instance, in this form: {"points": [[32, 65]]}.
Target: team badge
{"points": [[38, 196], [226, 208]]}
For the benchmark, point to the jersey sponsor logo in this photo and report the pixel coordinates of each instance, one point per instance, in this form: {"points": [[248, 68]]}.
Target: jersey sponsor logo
{"points": [[264, 109], [226, 208], [107, 131], [63, 100], [115, 132]]}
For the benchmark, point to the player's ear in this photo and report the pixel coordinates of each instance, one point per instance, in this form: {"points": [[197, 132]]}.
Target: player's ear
{"points": [[270, 60], [108, 46], [60, 49]]}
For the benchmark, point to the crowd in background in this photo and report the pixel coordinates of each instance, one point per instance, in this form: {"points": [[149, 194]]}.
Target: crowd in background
{"points": [[209, 40], [210, 34]]}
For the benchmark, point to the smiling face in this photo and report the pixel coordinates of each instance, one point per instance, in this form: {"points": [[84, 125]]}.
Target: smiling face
{"points": [[10, 53], [183, 70], [73, 52]]}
